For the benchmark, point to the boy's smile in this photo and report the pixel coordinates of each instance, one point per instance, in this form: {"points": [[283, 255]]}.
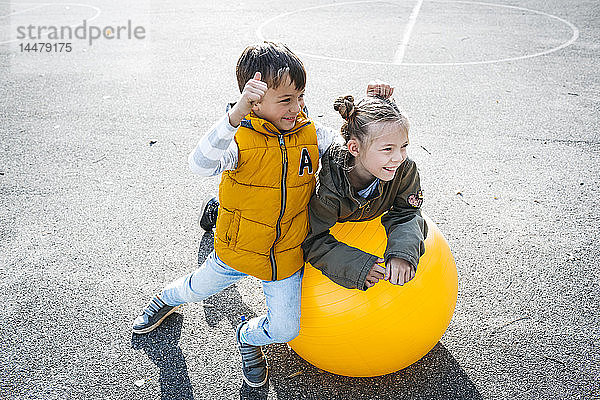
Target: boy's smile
{"points": [[281, 105]]}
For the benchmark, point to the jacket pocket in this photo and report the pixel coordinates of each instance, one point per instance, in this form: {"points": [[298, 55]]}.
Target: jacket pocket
{"points": [[228, 225]]}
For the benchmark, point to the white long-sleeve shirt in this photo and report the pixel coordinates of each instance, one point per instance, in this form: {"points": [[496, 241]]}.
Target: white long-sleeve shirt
{"points": [[217, 151]]}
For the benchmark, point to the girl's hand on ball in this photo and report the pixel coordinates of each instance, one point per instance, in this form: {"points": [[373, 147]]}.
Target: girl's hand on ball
{"points": [[376, 273], [398, 271]]}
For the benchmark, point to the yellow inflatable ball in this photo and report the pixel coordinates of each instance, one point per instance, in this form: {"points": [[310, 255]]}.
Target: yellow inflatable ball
{"points": [[385, 328]]}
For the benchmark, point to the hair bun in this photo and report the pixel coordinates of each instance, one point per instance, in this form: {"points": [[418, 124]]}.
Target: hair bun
{"points": [[345, 106]]}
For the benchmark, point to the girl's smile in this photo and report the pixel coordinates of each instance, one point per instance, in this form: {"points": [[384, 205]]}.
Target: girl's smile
{"points": [[381, 156]]}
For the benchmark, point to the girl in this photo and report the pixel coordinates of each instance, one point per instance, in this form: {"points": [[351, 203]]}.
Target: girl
{"points": [[369, 175]]}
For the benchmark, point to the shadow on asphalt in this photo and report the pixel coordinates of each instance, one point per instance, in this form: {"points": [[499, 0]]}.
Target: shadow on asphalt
{"points": [[227, 304], [435, 376], [162, 348], [162, 345], [206, 246]]}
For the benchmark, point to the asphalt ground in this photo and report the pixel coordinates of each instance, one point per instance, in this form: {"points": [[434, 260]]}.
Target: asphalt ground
{"points": [[98, 208]]}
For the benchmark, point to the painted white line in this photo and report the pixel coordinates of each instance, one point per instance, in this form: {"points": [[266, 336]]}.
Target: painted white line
{"points": [[569, 42], [98, 11], [267, 22], [407, 32], [22, 11]]}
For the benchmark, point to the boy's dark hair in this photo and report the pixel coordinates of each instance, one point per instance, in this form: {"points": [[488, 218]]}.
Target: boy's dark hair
{"points": [[274, 61]]}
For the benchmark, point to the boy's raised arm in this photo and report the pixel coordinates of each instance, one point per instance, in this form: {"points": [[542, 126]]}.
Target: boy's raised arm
{"points": [[325, 137], [253, 93], [217, 151]]}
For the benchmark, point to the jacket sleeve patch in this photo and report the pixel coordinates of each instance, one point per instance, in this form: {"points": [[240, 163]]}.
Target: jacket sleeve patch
{"points": [[305, 162], [415, 199]]}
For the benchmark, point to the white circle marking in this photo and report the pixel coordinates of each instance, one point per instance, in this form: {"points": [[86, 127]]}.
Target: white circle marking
{"points": [[573, 38]]}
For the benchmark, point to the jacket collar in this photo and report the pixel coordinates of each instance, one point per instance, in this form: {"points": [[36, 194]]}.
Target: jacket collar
{"points": [[252, 121], [336, 177]]}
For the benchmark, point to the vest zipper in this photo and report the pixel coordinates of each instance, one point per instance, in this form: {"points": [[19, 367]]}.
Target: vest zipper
{"points": [[284, 168]]}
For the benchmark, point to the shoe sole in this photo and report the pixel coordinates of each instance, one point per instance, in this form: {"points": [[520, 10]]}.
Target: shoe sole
{"points": [[157, 323], [200, 224], [254, 384]]}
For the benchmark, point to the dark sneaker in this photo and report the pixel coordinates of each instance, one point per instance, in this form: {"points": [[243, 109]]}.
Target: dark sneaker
{"points": [[254, 365], [208, 219], [153, 316]]}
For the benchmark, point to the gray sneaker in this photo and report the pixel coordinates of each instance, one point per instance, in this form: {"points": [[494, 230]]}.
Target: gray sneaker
{"points": [[254, 364], [152, 316]]}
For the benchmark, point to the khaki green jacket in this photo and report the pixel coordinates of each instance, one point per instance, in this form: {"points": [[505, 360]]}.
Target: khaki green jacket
{"points": [[336, 201]]}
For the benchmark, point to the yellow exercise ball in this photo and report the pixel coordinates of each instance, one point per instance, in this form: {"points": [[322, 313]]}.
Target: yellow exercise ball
{"points": [[386, 328]]}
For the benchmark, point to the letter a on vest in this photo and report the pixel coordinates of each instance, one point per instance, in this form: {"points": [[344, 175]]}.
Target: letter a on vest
{"points": [[305, 162]]}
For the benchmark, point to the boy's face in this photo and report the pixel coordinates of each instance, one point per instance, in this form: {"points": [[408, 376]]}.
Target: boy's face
{"points": [[281, 106]]}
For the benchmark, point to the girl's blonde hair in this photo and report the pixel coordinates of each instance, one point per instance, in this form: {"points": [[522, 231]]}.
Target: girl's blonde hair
{"points": [[361, 119]]}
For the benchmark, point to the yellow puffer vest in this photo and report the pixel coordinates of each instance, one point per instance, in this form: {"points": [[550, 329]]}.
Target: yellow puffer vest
{"points": [[263, 212]]}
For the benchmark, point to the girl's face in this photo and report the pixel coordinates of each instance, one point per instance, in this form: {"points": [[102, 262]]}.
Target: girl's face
{"points": [[382, 155]]}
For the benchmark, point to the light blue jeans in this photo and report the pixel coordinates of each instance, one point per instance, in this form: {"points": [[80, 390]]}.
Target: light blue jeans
{"points": [[280, 325]]}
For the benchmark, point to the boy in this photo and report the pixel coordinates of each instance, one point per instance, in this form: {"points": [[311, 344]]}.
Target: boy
{"points": [[268, 152]]}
